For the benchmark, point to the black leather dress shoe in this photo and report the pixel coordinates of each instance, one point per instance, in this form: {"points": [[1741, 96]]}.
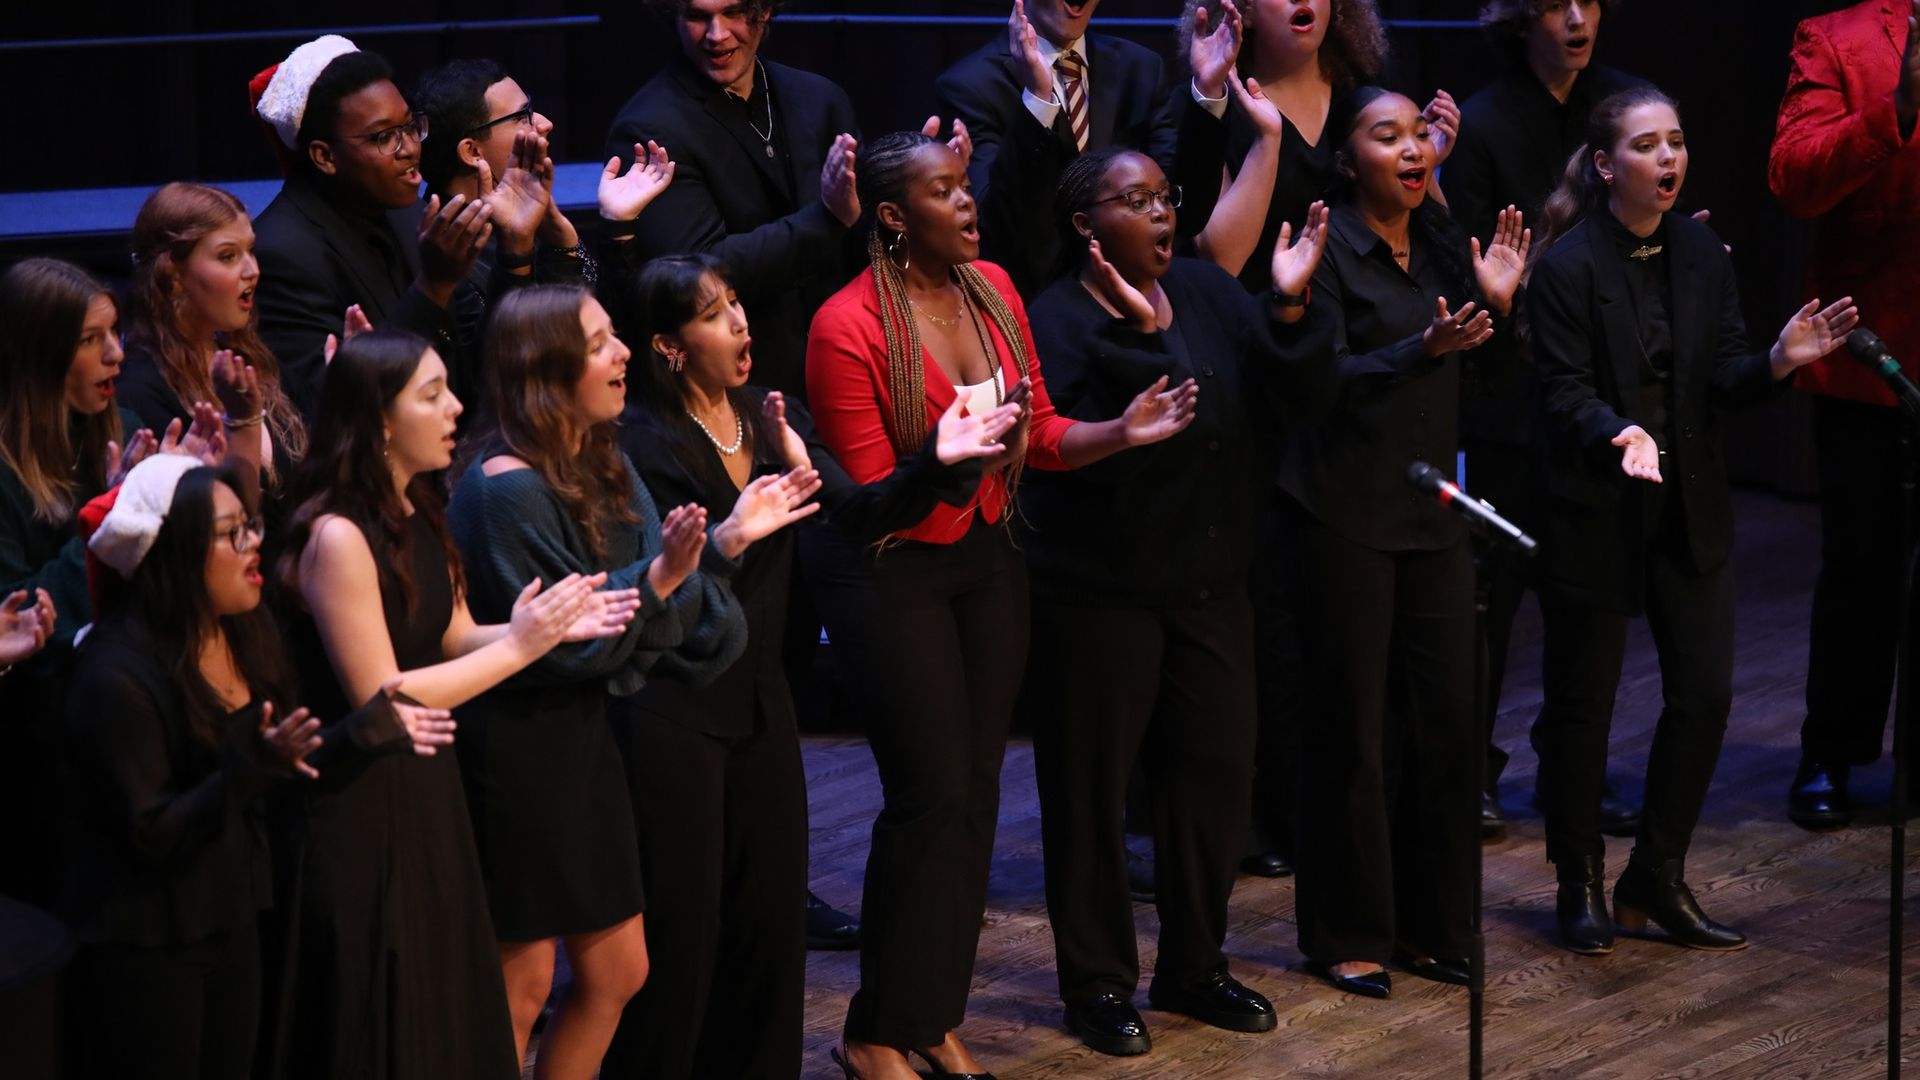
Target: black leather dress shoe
{"points": [[1581, 907], [1140, 876], [1435, 969], [1218, 999], [1374, 984], [828, 928], [1493, 820], [1657, 893], [1618, 817], [1110, 1024], [1818, 797], [1267, 864]]}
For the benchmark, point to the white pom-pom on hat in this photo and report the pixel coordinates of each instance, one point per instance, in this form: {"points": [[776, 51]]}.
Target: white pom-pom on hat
{"points": [[284, 104], [127, 533]]}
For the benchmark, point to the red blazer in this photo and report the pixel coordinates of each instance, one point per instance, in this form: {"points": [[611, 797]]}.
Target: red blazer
{"points": [[1838, 157], [847, 394]]}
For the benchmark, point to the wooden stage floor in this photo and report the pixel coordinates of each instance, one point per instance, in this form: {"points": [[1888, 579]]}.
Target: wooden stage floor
{"points": [[1806, 1000]]}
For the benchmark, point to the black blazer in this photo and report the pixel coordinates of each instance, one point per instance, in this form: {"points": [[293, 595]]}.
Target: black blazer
{"points": [[314, 264], [1586, 349], [1017, 164], [784, 250]]}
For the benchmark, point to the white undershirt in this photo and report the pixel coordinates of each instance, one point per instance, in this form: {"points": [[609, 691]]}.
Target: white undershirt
{"points": [[981, 397]]}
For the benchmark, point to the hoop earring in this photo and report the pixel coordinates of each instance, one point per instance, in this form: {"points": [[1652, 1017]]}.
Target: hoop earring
{"points": [[899, 238]]}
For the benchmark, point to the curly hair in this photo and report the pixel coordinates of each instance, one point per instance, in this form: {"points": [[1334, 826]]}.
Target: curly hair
{"points": [[1354, 51], [1505, 22]]}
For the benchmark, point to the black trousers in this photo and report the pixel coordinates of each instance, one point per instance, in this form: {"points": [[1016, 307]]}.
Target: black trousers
{"points": [[1856, 601], [934, 637], [1279, 682], [1172, 689], [1389, 819], [183, 1012], [722, 824], [1691, 616]]}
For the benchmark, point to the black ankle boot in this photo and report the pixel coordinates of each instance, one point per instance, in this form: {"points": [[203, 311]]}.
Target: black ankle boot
{"points": [[1659, 894], [1582, 907]]}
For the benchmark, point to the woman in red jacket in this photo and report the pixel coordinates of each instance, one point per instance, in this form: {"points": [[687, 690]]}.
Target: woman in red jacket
{"points": [[932, 626]]}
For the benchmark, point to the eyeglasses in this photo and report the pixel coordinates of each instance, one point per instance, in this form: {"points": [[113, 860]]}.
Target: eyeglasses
{"points": [[522, 117], [387, 140], [1140, 200], [244, 536]]}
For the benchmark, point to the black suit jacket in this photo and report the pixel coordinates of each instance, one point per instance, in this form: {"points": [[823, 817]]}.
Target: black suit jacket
{"points": [[1017, 163], [1586, 348], [314, 264], [785, 251]]}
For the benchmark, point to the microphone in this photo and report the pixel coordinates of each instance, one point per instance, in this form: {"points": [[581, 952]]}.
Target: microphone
{"points": [[1434, 482], [1866, 347]]}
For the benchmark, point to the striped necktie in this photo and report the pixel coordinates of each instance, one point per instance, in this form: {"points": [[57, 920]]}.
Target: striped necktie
{"points": [[1073, 72]]}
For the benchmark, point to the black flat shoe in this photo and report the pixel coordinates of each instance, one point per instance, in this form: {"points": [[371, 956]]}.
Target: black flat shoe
{"points": [[1581, 908], [1493, 820], [1618, 817], [1140, 876], [828, 928], [845, 1065], [1374, 984], [1269, 864], [1658, 894], [1435, 969], [1110, 1024], [1217, 999], [939, 1070], [1818, 797]]}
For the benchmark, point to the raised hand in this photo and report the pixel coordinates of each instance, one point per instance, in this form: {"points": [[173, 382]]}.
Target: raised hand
{"points": [[1812, 334], [1456, 331], [1639, 457], [765, 506], [1443, 119], [289, 742], [25, 625], [959, 142], [1131, 303], [621, 198], [1023, 44], [237, 386], [541, 620], [140, 445], [682, 536], [606, 613], [1498, 269], [520, 199], [451, 239], [355, 324], [960, 437], [1212, 54], [1159, 413], [836, 179], [204, 439], [793, 448], [1294, 262], [1014, 443], [1254, 101]]}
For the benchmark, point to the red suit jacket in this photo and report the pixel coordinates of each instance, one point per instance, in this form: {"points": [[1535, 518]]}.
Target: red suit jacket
{"points": [[847, 393], [1839, 158]]}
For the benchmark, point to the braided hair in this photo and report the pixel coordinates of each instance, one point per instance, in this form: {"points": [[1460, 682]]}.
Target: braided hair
{"points": [[884, 170], [1078, 184]]}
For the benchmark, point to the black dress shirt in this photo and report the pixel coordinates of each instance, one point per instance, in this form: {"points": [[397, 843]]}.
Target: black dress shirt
{"points": [[1397, 404], [1305, 174]]}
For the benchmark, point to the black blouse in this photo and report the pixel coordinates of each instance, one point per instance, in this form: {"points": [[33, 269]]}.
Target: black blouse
{"points": [[1398, 405], [1305, 174]]}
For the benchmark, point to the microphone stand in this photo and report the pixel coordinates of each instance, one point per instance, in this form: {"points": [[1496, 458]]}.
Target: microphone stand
{"points": [[1902, 699]]}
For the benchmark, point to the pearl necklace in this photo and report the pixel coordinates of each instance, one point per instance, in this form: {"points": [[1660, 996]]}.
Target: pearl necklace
{"points": [[739, 433]]}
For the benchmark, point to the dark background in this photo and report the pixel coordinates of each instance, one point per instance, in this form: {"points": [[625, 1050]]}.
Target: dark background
{"points": [[99, 117]]}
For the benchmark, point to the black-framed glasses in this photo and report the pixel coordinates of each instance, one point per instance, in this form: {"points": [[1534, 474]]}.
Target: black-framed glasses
{"points": [[1141, 200], [244, 536], [387, 140], [523, 115]]}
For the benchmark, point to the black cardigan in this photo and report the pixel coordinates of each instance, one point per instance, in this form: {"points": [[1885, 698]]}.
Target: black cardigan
{"points": [[1170, 524], [1585, 346]]}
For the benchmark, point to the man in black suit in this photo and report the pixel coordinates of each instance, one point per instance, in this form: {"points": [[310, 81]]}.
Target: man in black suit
{"points": [[763, 174], [348, 227], [1036, 100]]}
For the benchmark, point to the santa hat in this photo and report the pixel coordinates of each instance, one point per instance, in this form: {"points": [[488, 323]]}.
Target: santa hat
{"points": [[280, 92], [132, 521]]}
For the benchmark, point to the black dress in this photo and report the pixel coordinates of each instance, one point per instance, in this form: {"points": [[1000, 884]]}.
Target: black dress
{"points": [[391, 966]]}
